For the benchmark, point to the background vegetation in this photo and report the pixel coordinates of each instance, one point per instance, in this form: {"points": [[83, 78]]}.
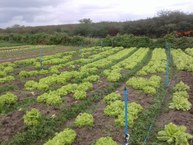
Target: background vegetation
{"points": [[150, 32]]}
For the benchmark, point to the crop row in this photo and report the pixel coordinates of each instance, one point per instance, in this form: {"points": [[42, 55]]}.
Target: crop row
{"points": [[182, 60]]}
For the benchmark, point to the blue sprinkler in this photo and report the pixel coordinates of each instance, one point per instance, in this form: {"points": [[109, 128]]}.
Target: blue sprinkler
{"points": [[126, 117]]}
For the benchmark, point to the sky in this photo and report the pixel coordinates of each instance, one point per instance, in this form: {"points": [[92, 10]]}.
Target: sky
{"points": [[54, 12]]}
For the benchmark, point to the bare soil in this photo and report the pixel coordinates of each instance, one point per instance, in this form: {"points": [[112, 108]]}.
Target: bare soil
{"points": [[10, 125], [47, 110]]}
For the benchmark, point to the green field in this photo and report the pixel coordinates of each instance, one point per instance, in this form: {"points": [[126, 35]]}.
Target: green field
{"points": [[78, 93]]}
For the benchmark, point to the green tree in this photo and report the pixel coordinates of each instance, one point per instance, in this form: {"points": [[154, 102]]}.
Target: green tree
{"points": [[85, 21]]}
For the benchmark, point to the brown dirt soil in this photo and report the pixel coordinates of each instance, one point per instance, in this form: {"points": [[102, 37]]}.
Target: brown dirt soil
{"points": [[10, 125], [45, 109], [22, 94], [69, 100], [179, 117], [101, 83]]}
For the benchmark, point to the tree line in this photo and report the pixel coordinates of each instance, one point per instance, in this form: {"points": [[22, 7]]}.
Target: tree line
{"points": [[165, 22]]}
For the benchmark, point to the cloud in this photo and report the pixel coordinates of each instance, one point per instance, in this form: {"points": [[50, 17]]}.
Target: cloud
{"points": [[29, 3], [48, 12]]}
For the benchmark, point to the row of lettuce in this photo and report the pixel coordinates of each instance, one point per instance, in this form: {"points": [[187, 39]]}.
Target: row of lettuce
{"points": [[24, 48], [51, 64]]}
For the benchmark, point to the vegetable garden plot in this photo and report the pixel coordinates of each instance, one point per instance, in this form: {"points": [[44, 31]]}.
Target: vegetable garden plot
{"points": [[115, 49], [76, 82]]}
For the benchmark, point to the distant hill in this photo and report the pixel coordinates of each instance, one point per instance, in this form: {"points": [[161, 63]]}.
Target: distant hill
{"points": [[164, 23]]}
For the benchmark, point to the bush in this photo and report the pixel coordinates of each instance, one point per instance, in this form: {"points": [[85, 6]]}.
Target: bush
{"points": [[48, 39], [143, 41]]}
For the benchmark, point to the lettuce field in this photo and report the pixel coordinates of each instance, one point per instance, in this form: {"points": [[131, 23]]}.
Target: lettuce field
{"points": [[57, 95]]}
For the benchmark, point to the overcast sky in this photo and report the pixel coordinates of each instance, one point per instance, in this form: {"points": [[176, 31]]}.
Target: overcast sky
{"points": [[53, 12]]}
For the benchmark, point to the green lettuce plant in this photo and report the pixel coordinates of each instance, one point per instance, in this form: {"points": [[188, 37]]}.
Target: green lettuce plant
{"points": [[112, 98], [114, 109], [66, 137], [174, 134], [33, 117], [105, 141], [180, 97], [149, 86], [181, 86], [7, 99], [180, 103], [84, 119]]}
